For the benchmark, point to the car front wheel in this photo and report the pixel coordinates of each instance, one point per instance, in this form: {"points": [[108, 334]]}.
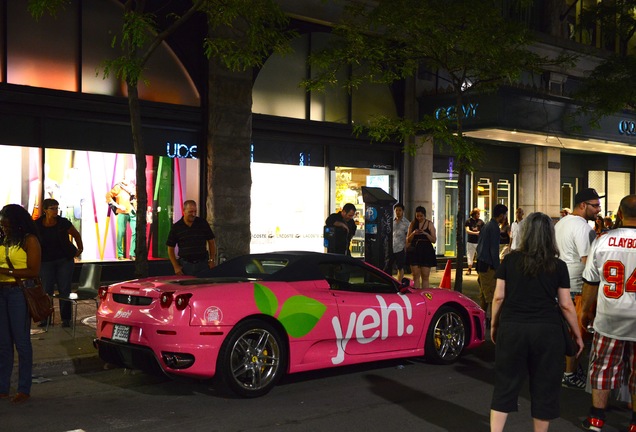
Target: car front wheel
{"points": [[446, 337], [252, 359]]}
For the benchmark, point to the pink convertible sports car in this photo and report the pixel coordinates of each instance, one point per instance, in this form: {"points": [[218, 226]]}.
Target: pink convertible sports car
{"points": [[254, 318]]}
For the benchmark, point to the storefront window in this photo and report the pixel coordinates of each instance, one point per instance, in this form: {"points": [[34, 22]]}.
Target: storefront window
{"points": [[40, 54], [79, 180], [596, 179], [445, 200], [346, 187], [277, 89], [36, 59], [503, 193], [567, 195], [288, 205], [484, 197], [620, 182], [21, 178]]}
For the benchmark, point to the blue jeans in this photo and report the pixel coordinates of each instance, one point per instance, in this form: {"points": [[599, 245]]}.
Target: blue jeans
{"points": [[122, 220], [60, 273], [15, 329]]}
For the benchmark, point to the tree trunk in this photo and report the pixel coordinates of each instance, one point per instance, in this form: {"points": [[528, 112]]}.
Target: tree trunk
{"points": [[141, 251], [229, 179]]}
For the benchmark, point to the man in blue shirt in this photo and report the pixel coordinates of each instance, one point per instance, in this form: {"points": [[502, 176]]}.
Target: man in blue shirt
{"points": [[488, 256]]}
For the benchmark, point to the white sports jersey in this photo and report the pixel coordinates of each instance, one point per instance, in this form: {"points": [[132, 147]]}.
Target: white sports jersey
{"points": [[573, 238], [612, 263]]}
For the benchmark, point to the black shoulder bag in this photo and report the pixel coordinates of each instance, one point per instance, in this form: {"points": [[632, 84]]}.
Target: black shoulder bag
{"points": [[570, 345]]}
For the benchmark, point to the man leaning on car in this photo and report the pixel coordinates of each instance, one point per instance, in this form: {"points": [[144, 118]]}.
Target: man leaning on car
{"points": [[191, 233]]}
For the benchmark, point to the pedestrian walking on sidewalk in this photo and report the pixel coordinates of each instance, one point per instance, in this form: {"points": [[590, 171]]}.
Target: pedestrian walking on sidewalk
{"points": [[473, 227], [526, 326], [488, 256]]}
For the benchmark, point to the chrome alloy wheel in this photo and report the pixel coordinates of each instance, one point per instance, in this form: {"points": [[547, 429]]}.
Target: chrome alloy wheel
{"points": [[449, 336], [255, 359]]}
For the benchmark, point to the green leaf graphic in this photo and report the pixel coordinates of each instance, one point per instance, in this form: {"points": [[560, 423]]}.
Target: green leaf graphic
{"points": [[300, 314], [265, 299]]}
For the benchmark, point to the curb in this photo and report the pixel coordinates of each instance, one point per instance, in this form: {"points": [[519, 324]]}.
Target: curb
{"points": [[66, 366]]}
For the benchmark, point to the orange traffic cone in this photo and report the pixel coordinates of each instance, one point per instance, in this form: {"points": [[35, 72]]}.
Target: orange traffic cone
{"points": [[446, 279]]}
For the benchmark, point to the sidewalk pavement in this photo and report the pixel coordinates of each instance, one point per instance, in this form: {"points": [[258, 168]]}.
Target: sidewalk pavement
{"points": [[57, 352]]}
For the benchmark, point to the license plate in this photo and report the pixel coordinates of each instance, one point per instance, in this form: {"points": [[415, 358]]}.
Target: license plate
{"points": [[121, 333]]}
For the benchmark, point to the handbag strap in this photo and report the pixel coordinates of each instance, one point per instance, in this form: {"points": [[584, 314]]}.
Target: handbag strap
{"points": [[10, 264], [6, 256]]}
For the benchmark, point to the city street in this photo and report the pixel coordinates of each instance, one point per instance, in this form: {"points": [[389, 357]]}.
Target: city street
{"points": [[396, 395]]}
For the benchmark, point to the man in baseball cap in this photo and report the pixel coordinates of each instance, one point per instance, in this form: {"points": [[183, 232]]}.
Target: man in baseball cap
{"points": [[574, 236], [587, 194]]}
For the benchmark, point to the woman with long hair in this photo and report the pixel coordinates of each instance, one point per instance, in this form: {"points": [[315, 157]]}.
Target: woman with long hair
{"points": [[58, 255], [19, 242], [420, 253], [527, 327], [599, 226]]}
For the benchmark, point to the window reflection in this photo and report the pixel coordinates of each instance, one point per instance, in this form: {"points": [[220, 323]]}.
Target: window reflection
{"points": [[79, 180]]}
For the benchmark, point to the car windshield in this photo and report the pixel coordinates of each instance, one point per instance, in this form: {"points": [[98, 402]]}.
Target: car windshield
{"points": [[264, 266], [355, 277]]}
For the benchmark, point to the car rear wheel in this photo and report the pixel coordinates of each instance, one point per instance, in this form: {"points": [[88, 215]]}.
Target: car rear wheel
{"points": [[252, 359], [446, 337]]}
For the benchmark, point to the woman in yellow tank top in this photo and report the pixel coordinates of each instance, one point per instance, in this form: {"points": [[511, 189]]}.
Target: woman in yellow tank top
{"points": [[19, 242]]}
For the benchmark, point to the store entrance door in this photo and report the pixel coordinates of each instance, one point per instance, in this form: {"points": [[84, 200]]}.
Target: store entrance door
{"points": [[445, 203], [492, 190]]}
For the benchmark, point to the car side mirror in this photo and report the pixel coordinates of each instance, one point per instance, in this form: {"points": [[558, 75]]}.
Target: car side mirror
{"points": [[406, 285]]}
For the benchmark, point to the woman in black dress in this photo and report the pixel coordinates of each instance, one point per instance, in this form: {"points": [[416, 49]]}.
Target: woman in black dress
{"points": [[532, 284], [420, 252]]}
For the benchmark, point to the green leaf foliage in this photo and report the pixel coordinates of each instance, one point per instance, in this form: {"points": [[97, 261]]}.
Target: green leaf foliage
{"points": [[265, 299], [300, 314], [470, 45], [611, 87], [245, 32], [37, 8]]}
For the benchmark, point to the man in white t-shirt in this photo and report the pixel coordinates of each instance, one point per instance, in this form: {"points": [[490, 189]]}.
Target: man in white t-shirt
{"points": [[611, 265], [515, 229], [573, 237], [400, 229]]}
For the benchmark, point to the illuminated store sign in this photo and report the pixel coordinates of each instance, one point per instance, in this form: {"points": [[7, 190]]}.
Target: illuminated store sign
{"points": [[626, 127], [178, 150], [469, 110]]}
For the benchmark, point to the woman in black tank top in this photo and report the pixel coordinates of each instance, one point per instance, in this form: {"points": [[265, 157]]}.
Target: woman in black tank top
{"points": [[420, 253]]}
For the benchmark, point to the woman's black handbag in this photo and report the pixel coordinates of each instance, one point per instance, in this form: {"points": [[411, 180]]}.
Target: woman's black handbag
{"points": [[570, 345]]}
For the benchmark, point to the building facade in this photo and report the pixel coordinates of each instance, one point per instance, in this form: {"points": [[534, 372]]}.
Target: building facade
{"points": [[65, 130]]}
